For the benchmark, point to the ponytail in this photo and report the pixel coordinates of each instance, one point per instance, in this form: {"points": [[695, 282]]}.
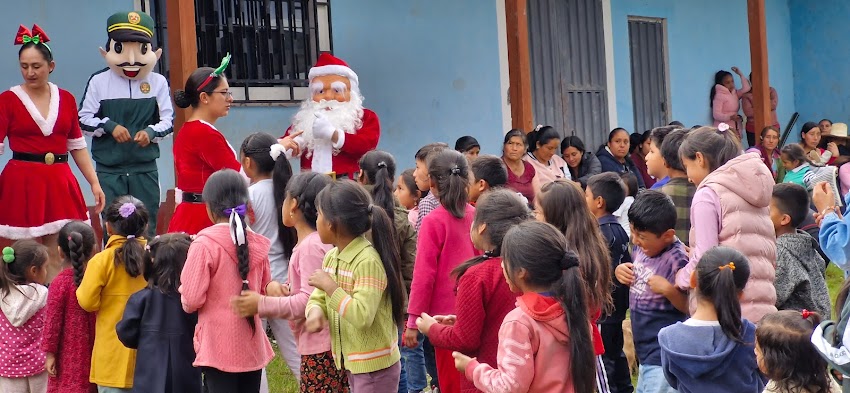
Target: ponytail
{"points": [[238, 233], [450, 170], [384, 237], [722, 274], [378, 167], [571, 293], [128, 217]]}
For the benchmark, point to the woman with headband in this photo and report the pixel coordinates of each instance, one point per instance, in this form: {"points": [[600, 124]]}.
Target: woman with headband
{"points": [[38, 192], [199, 148]]}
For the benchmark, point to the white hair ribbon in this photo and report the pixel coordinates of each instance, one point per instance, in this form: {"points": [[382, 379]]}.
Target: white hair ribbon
{"points": [[237, 229], [276, 150]]}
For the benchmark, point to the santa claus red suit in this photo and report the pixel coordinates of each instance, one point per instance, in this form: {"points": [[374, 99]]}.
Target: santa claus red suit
{"points": [[332, 130]]}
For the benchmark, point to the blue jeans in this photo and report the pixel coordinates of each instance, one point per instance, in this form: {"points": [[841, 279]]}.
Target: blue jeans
{"points": [[414, 367], [651, 379]]}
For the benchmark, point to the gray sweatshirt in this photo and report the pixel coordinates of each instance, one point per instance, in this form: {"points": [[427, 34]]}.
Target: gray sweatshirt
{"points": [[800, 282]]}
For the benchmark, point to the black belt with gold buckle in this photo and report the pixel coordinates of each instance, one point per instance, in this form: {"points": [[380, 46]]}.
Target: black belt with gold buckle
{"points": [[192, 197], [47, 158]]}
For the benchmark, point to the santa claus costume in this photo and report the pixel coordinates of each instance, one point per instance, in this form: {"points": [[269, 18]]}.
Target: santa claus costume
{"points": [[199, 151], [38, 192], [334, 107]]}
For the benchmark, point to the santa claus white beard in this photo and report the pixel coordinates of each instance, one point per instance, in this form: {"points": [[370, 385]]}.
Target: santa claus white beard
{"points": [[345, 116]]}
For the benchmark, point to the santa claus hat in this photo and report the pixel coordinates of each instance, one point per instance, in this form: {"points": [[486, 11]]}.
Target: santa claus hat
{"points": [[327, 64]]}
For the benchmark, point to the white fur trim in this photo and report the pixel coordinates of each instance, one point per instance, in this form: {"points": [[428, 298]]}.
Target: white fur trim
{"points": [[77, 144], [340, 140], [50, 228], [46, 125], [334, 70]]}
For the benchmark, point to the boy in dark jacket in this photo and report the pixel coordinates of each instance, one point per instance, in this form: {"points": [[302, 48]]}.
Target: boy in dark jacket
{"points": [[800, 269], [605, 193]]}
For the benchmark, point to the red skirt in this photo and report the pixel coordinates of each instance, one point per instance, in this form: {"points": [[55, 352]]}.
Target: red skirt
{"points": [[38, 199], [189, 218]]}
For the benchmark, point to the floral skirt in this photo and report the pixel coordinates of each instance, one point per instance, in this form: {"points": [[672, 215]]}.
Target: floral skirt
{"points": [[319, 374]]}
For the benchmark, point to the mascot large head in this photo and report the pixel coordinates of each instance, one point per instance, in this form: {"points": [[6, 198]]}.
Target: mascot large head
{"points": [[129, 52], [335, 94]]}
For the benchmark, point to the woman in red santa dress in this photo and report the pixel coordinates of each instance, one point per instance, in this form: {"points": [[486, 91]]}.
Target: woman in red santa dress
{"points": [[38, 192], [199, 148]]}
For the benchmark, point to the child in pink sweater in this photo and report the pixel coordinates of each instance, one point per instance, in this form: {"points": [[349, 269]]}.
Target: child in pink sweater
{"points": [[545, 343], [725, 99], [231, 351], [288, 300], [483, 295], [443, 244]]}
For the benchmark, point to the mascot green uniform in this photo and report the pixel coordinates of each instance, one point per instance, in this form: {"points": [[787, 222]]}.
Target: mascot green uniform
{"points": [[126, 109]]}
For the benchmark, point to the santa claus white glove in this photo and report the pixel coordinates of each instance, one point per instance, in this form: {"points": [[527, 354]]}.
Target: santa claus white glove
{"points": [[322, 128]]}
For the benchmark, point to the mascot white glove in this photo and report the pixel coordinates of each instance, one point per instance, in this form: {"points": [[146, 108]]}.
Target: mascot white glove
{"points": [[322, 128]]}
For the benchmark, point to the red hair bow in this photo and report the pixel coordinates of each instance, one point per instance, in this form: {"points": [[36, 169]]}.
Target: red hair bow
{"points": [[25, 36], [806, 313]]}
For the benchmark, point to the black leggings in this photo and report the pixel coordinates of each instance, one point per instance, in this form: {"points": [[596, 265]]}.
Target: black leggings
{"points": [[216, 381]]}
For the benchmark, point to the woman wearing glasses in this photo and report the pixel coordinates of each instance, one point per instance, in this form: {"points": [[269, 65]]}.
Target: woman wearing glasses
{"points": [[199, 148]]}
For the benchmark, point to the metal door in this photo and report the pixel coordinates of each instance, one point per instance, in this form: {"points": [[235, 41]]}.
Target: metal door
{"points": [[650, 93], [567, 51]]}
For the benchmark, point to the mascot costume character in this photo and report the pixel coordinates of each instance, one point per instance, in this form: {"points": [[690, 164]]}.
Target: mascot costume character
{"points": [[332, 131], [127, 110]]}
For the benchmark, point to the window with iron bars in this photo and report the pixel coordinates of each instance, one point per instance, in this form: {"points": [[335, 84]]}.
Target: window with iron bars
{"points": [[273, 43]]}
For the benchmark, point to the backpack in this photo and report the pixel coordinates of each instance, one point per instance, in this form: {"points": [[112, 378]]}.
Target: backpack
{"points": [[832, 341]]}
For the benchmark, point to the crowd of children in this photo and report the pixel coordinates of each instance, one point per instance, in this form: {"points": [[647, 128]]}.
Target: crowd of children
{"points": [[459, 277]]}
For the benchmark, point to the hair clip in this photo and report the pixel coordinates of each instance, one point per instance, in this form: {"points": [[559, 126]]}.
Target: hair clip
{"points": [[723, 127], [216, 73], [382, 164], [730, 266], [130, 237], [240, 210], [127, 209], [69, 237], [569, 261], [806, 313], [245, 282], [276, 150], [455, 170], [489, 254], [8, 254], [539, 126]]}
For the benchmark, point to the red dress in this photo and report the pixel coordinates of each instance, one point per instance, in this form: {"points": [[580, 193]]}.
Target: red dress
{"points": [[37, 199], [69, 334], [199, 151]]}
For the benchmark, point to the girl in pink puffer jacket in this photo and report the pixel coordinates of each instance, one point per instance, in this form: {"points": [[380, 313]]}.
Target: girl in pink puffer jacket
{"points": [[731, 208]]}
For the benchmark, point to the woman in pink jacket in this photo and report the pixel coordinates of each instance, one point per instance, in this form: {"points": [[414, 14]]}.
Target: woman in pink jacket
{"points": [[724, 212], [725, 99], [750, 112]]}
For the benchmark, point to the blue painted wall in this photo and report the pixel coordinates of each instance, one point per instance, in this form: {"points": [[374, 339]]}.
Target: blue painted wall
{"points": [[821, 58], [703, 37], [430, 69]]}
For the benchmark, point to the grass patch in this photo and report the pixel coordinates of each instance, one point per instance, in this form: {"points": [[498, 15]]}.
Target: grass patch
{"points": [[278, 374]]}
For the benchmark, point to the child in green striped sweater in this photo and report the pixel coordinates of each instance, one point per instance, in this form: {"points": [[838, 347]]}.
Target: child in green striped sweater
{"points": [[359, 291]]}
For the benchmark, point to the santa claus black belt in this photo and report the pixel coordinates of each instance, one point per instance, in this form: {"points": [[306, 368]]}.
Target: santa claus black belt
{"points": [[191, 197], [48, 158]]}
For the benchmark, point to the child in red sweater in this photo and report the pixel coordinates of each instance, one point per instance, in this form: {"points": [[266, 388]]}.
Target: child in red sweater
{"points": [[442, 245], [68, 335], [545, 343], [483, 295]]}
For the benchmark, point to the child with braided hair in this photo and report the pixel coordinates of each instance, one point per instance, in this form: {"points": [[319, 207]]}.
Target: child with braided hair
{"points": [[224, 260], [68, 335]]}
